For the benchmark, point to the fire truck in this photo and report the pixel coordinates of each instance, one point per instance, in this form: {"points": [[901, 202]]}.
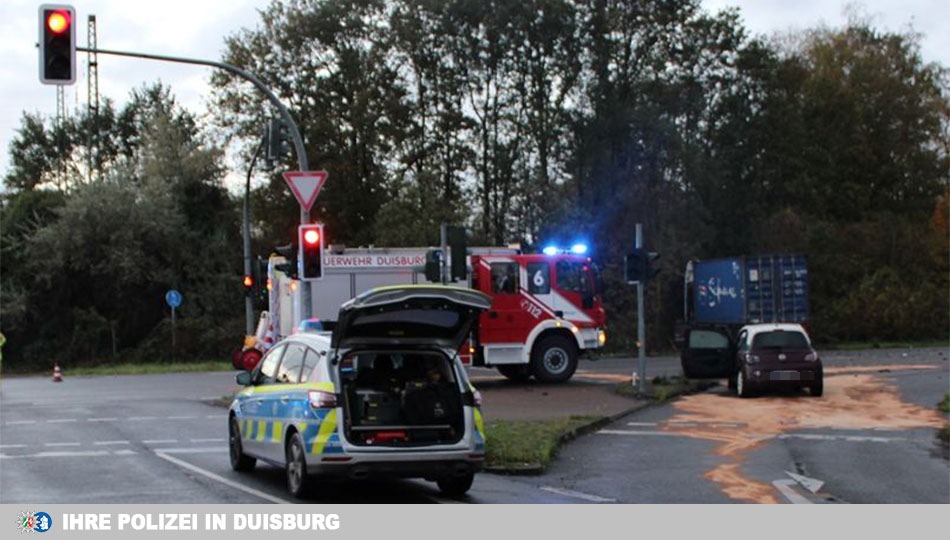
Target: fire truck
{"points": [[546, 311]]}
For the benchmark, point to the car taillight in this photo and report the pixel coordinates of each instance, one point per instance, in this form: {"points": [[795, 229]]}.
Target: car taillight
{"points": [[477, 397], [322, 400], [811, 357]]}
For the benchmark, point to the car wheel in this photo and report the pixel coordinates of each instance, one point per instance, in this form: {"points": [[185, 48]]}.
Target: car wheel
{"points": [[298, 483], [239, 460], [554, 359], [456, 486], [818, 388], [515, 372], [742, 389]]}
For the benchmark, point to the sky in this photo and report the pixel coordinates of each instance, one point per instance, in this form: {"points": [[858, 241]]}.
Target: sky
{"points": [[164, 28]]}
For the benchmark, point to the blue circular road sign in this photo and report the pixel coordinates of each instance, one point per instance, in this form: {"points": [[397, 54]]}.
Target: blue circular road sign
{"points": [[173, 298]]}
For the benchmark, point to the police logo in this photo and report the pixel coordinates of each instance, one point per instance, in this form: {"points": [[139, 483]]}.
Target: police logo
{"points": [[30, 522]]}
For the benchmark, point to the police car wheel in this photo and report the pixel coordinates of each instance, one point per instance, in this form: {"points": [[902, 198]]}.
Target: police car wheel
{"points": [[239, 460], [554, 359], [455, 486], [298, 482]]}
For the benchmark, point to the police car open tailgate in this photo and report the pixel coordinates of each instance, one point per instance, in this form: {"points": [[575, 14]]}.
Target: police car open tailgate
{"points": [[429, 315]]}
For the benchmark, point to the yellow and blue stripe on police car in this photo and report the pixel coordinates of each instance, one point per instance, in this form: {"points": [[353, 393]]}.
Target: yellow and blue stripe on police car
{"points": [[479, 430], [317, 427]]}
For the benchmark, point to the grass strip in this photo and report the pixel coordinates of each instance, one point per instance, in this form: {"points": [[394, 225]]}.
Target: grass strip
{"points": [[516, 445]]}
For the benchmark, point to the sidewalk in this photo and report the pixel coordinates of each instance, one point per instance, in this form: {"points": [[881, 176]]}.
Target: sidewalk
{"points": [[505, 400]]}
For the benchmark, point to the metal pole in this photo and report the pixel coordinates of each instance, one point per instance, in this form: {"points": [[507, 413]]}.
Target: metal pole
{"points": [[641, 327], [174, 344], [444, 262], [246, 218]]}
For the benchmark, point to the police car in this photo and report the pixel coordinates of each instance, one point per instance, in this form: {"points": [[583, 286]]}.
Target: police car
{"points": [[384, 394]]}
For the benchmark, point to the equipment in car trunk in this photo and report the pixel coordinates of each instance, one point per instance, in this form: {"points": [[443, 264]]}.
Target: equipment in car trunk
{"points": [[428, 403]]}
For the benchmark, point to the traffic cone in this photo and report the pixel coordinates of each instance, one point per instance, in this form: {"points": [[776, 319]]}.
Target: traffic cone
{"points": [[57, 374]]}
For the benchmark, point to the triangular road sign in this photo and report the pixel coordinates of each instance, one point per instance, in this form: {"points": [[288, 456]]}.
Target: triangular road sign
{"points": [[305, 185]]}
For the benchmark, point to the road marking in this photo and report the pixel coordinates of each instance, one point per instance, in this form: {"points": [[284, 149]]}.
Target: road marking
{"points": [[182, 417], [785, 488], [61, 421], [137, 418], [160, 441], [208, 440], [849, 438], [195, 450], [641, 424], [61, 444], [20, 422], [811, 484], [87, 453], [577, 494], [124, 452], [225, 481], [105, 443], [12, 446], [637, 432], [101, 419]]}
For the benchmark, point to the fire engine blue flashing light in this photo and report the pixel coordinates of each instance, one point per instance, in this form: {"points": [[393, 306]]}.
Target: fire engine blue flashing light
{"points": [[549, 250], [579, 249]]}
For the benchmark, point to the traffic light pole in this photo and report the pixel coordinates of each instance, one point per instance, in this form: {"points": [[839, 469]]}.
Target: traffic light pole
{"points": [[641, 327], [246, 230], [284, 114]]}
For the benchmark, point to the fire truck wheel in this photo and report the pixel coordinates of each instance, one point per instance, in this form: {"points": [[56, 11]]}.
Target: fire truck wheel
{"points": [[554, 359], [515, 372]]}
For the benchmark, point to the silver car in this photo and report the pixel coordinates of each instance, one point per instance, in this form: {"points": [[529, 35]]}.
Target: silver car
{"points": [[384, 394]]}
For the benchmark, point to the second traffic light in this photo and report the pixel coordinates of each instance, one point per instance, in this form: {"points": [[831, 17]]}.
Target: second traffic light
{"points": [[640, 265], [310, 238], [57, 44]]}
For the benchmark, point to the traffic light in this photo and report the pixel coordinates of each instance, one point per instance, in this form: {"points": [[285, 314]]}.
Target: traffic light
{"points": [[458, 243], [652, 267], [311, 251], [277, 145], [57, 44], [433, 269], [289, 267], [640, 265], [634, 266], [248, 283]]}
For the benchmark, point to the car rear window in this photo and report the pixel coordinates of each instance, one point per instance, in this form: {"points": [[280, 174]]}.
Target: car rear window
{"points": [[780, 340], [706, 339]]}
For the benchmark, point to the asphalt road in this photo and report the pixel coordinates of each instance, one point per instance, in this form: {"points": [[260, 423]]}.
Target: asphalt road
{"points": [[161, 439]]}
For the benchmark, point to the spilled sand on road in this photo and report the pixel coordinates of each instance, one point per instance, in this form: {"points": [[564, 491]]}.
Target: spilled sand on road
{"points": [[853, 399]]}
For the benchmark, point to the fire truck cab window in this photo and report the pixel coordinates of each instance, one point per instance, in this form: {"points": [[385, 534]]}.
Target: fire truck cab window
{"points": [[572, 277], [539, 278], [504, 278]]}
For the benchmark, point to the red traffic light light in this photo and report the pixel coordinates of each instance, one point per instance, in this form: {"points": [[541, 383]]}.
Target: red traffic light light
{"points": [[311, 236], [248, 281], [58, 21]]}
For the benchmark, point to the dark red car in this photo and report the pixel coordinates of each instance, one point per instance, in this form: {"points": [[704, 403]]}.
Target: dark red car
{"points": [[761, 357]]}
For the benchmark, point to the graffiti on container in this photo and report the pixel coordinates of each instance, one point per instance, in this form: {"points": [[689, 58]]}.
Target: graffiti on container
{"points": [[712, 292]]}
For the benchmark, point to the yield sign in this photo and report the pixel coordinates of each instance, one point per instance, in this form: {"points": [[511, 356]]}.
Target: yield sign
{"points": [[306, 186]]}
